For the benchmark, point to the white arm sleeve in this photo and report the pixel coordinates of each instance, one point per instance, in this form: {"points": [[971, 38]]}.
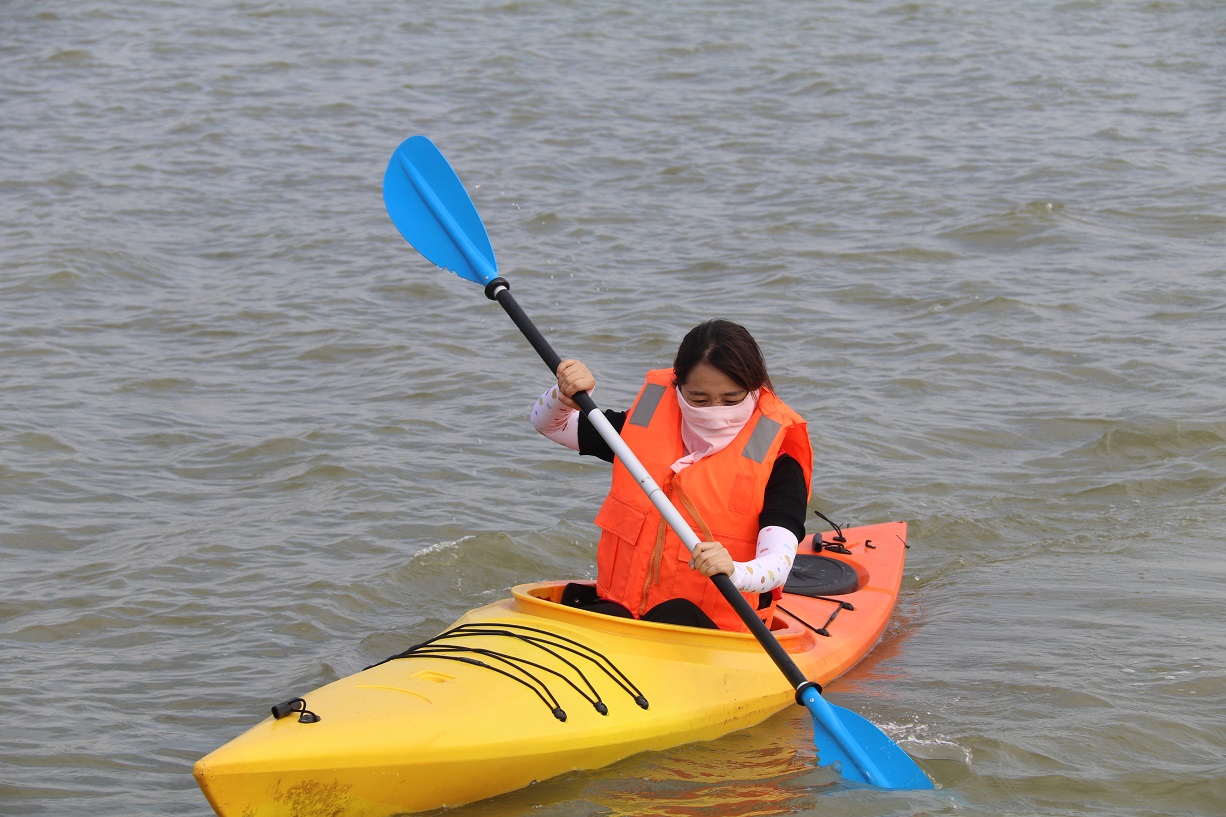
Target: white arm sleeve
{"points": [[556, 420], [776, 552]]}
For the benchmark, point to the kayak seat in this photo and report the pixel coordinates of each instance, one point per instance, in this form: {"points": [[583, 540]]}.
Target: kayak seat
{"points": [[814, 575]]}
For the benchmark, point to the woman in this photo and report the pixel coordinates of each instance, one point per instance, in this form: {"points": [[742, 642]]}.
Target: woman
{"points": [[733, 458]]}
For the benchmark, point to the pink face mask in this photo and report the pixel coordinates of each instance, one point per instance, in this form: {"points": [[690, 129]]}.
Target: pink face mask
{"points": [[708, 429]]}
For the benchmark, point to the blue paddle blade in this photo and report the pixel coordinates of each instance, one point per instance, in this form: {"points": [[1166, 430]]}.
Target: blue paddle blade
{"points": [[432, 210], [861, 751]]}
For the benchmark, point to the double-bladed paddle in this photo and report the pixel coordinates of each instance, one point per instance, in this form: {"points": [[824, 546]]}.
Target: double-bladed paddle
{"points": [[428, 204]]}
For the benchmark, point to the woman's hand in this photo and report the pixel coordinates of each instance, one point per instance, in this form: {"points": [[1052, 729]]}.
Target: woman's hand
{"points": [[711, 558], [573, 377]]}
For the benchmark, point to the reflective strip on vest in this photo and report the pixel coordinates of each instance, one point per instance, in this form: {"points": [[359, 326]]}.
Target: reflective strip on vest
{"points": [[647, 405], [759, 443]]}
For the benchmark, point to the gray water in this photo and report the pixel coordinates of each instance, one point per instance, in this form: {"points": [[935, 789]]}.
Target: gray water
{"points": [[251, 442]]}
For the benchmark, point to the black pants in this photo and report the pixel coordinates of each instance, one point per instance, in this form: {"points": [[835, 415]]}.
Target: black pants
{"points": [[674, 611]]}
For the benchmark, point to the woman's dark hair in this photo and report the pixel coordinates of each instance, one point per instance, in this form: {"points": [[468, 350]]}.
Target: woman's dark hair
{"points": [[728, 347]]}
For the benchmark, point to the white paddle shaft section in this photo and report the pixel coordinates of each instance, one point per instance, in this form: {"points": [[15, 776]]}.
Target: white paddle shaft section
{"points": [[666, 508]]}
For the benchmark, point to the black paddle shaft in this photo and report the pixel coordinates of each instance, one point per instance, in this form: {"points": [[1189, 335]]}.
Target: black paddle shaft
{"points": [[500, 290]]}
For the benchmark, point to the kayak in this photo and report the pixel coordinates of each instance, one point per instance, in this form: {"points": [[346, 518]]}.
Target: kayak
{"points": [[529, 687]]}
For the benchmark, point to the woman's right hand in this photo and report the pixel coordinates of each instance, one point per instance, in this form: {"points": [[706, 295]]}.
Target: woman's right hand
{"points": [[573, 377]]}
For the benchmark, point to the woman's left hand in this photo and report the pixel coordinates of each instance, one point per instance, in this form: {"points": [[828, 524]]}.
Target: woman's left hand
{"points": [[710, 559]]}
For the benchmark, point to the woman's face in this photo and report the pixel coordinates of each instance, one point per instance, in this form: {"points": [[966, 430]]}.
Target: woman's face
{"points": [[708, 386]]}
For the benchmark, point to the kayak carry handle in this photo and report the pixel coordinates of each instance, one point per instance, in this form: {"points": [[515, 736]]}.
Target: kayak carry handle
{"points": [[287, 708]]}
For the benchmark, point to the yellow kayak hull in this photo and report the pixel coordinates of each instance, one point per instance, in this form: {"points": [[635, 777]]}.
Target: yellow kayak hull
{"points": [[513, 693]]}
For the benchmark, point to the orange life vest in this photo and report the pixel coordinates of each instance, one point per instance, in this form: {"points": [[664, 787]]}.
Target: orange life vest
{"points": [[640, 561]]}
